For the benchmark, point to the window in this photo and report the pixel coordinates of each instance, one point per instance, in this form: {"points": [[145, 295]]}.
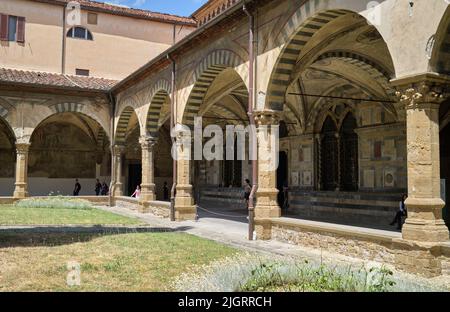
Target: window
{"points": [[80, 33], [92, 18], [12, 28], [82, 72]]}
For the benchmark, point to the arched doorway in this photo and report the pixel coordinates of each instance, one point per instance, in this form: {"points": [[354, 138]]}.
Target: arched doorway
{"points": [[7, 159], [65, 147]]}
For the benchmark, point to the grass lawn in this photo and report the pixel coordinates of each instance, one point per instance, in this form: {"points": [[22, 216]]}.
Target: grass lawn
{"points": [[11, 215], [125, 262]]}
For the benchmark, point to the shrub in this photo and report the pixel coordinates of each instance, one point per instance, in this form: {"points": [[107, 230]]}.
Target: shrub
{"points": [[54, 202]]}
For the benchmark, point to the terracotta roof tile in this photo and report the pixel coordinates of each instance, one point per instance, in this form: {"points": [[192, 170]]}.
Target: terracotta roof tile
{"points": [[125, 11], [43, 79]]}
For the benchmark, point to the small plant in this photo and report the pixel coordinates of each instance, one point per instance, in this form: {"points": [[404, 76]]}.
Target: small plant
{"points": [[54, 202]]}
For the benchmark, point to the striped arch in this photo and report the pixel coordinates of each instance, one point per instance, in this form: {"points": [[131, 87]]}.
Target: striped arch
{"points": [[79, 108], [67, 107], [206, 72], [302, 26], [101, 139], [122, 125], [3, 112], [159, 95], [376, 71]]}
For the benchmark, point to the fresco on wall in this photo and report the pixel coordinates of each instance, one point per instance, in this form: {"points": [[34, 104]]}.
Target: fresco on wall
{"points": [[62, 151]]}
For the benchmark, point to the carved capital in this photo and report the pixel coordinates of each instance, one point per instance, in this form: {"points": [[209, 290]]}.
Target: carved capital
{"points": [[118, 149], [267, 118], [147, 142], [423, 92], [22, 148]]}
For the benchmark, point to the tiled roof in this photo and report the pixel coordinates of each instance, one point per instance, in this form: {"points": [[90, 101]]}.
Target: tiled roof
{"points": [[43, 79], [125, 11]]}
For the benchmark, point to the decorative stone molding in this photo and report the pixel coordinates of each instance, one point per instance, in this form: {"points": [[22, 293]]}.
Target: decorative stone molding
{"points": [[147, 142], [267, 118], [425, 89]]}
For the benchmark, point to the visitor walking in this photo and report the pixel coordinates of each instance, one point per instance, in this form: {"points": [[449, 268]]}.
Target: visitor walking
{"points": [[137, 192], [400, 213], [105, 189], [165, 192], [98, 187], [76, 190], [247, 191]]}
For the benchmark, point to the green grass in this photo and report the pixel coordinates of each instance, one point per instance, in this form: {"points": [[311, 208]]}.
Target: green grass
{"points": [[14, 215], [126, 262]]}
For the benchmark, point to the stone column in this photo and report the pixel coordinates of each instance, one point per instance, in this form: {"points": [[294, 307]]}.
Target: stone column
{"points": [[21, 185], [148, 172], [185, 208], [422, 99], [266, 195], [118, 151]]}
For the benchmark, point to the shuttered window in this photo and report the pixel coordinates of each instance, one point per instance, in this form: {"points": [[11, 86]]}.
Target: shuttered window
{"points": [[12, 28]]}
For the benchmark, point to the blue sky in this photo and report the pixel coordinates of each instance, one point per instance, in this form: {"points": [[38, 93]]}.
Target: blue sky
{"points": [[178, 7]]}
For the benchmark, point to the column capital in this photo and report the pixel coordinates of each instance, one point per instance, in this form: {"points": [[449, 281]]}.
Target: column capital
{"points": [[267, 117], [118, 149], [147, 142], [22, 147], [417, 91]]}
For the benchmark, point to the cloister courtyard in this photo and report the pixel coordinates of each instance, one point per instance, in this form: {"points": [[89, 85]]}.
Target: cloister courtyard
{"points": [[117, 171]]}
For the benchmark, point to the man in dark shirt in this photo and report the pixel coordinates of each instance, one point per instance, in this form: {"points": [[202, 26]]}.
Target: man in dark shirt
{"points": [[98, 187], [76, 190], [165, 192]]}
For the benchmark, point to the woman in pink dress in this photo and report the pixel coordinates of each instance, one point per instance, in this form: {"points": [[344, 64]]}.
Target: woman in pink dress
{"points": [[137, 192]]}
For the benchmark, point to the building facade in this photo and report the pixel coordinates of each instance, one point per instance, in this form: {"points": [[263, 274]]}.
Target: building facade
{"points": [[360, 96]]}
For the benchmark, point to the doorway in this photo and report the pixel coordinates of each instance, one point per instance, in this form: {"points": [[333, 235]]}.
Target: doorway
{"points": [[134, 177], [282, 176]]}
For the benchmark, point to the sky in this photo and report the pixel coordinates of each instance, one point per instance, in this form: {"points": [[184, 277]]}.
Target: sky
{"points": [[177, 7]]}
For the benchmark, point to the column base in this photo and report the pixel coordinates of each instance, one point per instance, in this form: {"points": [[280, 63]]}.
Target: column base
{"points": [[266, 204], [424, 222], [185, 208], [117, 190], [20, 191], [20, 194], [263, 229]]}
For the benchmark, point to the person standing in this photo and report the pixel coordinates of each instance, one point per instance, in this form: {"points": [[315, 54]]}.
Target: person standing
{"points": [[105, 189], [77, 189], [400, 213], [98, 187], [137, 192], [165, 192], [247, 191]]}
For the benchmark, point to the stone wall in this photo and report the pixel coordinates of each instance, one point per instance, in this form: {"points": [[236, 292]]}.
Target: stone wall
{"points": [[384, 247], [157, 208]]}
